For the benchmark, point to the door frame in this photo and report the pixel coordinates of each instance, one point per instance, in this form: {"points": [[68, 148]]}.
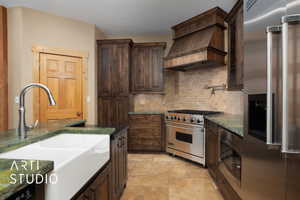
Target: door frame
{"points": [[37, 50]]}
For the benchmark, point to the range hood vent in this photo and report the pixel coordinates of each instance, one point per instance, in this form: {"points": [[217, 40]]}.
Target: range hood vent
{"points": [[198, 41]]}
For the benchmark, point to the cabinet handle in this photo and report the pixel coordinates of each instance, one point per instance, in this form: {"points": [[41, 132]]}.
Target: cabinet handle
{"points": [[270, 31], [288, 144]]}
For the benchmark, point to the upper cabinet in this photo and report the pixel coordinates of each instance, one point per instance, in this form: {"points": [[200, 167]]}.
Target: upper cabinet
{"points": [[113, 67], [235, 47], [147, 68]]}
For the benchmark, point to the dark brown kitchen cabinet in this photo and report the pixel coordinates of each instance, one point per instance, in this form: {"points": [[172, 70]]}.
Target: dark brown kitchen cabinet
{"points": [[235, 47], [98, 188], [113, 111], [147, 67], [146, 133], [113, 82], [212, 148], [119, 162], [113, 67]]}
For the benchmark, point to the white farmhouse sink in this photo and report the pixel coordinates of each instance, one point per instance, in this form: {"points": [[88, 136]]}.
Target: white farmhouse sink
{"points": [[77, 157]]}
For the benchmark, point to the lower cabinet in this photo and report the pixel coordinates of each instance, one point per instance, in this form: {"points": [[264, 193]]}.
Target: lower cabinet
{"points": [[146, 133], [212, 148], [119, 163], [98, 188]]}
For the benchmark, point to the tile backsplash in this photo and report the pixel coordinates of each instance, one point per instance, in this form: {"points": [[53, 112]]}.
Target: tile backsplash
{"points": [[185, 90]]}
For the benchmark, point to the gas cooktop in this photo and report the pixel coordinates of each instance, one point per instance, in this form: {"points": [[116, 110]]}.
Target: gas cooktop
{"points": [[194, 112]]}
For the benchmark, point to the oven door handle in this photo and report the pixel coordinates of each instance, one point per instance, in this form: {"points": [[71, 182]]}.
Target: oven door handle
{"points": [[172, 126]]}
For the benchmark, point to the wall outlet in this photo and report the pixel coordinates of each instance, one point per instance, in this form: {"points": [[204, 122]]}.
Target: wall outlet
{"points": [[17, 100], [88, 99]]}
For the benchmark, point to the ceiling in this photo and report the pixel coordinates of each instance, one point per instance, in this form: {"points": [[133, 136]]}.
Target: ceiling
{"points": [[125, 17]]}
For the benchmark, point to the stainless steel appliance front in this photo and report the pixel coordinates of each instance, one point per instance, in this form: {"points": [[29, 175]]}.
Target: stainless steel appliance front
{"points": [[186, 140], [271, 75]]}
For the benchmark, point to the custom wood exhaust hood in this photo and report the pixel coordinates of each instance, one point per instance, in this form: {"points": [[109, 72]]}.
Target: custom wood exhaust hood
{"points": [[198, 42]]}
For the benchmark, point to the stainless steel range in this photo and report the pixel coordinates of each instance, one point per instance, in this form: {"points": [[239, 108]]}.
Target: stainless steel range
{"points": [[186, 134]]}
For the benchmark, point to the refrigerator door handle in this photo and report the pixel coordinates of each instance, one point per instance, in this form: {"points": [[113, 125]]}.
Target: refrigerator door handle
{"points": [[286, 21], [270, 31]]}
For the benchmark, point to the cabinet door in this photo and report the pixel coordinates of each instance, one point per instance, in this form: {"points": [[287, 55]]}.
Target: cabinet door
{"points": [[157, 83], [139, 69], [123, 159], [105, 67], [115, 166], [212, 148], [235, 47], [147, 67], [106, 113], [121, 106], [120, 73], [100, 189]]}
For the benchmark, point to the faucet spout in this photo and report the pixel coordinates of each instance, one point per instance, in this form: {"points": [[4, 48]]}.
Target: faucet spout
{"points": [[22, 122]]}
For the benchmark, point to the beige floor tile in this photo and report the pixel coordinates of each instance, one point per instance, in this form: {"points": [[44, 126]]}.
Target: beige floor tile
{"points": [[163, 177]]}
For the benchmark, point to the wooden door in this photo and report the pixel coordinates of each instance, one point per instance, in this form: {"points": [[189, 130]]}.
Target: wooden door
{"points": [[63, 76]]}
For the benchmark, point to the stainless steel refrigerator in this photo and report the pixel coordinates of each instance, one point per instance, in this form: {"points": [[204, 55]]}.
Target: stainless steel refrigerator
{"points": [[271, 153]]}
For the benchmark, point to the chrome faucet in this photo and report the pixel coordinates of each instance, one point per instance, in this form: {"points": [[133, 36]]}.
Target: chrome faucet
{"points": [[22, 122]]}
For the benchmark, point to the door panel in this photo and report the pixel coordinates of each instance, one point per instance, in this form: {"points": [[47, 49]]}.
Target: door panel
{"points": [[157, 69], [63, 76], [105, 70]]}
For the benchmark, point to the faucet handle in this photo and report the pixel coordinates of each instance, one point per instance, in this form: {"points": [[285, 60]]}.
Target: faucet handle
{"points": [[36, 123]]}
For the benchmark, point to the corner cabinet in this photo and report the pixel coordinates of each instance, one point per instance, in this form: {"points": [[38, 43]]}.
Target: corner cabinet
{"points": [[235, 47], [119, 163], [147, 67]]}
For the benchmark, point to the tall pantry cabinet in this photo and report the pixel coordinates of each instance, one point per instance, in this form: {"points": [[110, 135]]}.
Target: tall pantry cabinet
{"points": [[113, 82]]}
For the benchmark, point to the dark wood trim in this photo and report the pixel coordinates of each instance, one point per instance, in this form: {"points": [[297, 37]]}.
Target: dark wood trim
{"points": [[115, 41], [3, 70], [216, 16], [234, 10], [150, 44]]}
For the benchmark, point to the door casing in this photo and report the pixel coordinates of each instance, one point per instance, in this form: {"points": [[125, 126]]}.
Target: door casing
{"points": [[37, 50]]}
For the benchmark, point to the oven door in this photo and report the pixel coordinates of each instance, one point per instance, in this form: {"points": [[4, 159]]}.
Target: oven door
{"points": [[186, 138]]}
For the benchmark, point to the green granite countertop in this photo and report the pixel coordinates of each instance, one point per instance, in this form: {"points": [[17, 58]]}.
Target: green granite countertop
{"points": [[9, 140], [6, 188], [233, 123], [146, 113]]}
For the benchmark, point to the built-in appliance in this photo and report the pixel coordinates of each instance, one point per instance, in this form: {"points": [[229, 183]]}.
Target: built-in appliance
{"points": [[186, 134], [272, 100], [230, 156]]}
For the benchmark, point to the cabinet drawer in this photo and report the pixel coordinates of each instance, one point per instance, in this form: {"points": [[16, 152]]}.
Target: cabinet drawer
{"points": [[144, 125], [149, 132], [145, 144], [145, 118]]}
